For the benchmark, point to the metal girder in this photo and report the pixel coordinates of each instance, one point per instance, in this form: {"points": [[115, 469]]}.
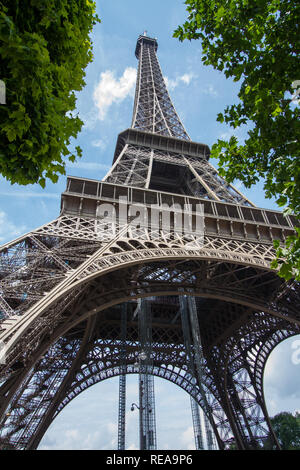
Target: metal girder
{"points": [[153, 109], [198, 434], [122, 382], [146, 379], [137, 157], [102, 360], [196, 363], [62, 285]]}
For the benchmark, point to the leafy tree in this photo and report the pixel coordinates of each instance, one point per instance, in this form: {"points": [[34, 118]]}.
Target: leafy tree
{"points": [[287, 429], [256, 42], [44, 49]]}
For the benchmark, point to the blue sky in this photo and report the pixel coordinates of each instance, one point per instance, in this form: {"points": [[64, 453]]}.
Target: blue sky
{"points": [[105, 105]]}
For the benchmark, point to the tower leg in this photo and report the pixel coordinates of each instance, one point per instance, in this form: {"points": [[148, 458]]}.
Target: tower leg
{"points": [[192, 340], [209, 434], [122, 381], [146, 380], [239, 395], [197, 425]]}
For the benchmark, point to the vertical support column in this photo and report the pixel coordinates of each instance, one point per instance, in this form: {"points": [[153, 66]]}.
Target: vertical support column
{"points": [[146, 380], [209, 434], [197, 425], [191, 370], [149, 169], [122, 381], [192, 337], [259, 398]]}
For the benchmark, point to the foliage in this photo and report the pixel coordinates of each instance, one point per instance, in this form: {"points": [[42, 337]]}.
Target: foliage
{"points": [[287, 429], [288, 257], [44, 49], [256, 42]]}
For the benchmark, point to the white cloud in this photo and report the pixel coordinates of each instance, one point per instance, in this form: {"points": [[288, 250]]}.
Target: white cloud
{"points": [[132, 447], [82, 438], [282, 379], [72, 434], [187, 438], [210, 90], [99, 144], [8, 230], [240, 133], [89, 119], [88, 166], [226, 135], [30, 194], [185, 78], [110, 90]]}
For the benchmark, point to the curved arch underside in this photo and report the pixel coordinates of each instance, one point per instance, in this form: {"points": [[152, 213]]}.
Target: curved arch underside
{"points": [[136, 274], [61, 285], [243, 312], [100, 360], [93, 373]]}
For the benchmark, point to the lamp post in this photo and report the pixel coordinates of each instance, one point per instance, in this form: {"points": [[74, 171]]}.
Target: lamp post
{"points": [[142, 409]]}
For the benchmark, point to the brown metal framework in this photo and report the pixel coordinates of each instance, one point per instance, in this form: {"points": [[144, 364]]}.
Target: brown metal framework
{"points": [[63, 286]]}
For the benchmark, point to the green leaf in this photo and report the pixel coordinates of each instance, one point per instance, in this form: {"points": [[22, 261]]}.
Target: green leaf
{"points": [[42, 182], [44, 49], [254, 44]]}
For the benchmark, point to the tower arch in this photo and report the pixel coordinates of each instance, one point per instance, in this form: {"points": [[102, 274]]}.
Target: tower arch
{"points": [[62, 284]]}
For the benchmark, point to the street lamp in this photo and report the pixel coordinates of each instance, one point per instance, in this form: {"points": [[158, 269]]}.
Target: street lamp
{"points": [[142, 409], [135, 405]]}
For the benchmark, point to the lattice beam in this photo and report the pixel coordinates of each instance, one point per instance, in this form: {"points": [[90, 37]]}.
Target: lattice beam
{"points": [[61, 287]]}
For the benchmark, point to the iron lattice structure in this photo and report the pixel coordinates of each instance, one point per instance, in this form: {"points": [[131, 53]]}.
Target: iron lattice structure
{"points": [[72, 291]]}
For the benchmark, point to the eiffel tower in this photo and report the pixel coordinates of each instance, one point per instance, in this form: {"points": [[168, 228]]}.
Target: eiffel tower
{"points": [[109, 288]]}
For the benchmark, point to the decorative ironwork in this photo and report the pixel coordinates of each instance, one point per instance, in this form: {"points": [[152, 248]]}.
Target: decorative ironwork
{"points": [[63, 288]]}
